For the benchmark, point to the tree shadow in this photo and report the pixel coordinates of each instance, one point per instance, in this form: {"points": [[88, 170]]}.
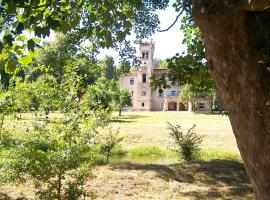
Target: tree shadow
{"points": [[127, 118], [4, 196], [222, 178]]}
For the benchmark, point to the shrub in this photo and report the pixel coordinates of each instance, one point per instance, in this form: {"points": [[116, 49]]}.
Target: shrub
{"points": [[57, 159], [187, 144], [109, 142]]}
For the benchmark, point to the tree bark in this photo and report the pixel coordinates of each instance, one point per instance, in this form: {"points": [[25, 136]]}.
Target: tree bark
{"points": [[238, 51]]}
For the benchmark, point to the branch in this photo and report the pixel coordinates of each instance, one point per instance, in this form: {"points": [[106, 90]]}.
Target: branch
{"points": [[255, 5], [176, 19], [35, 7]]}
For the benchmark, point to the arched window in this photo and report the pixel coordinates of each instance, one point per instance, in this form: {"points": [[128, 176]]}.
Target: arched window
{"points": [[144, 78], [142, 104]]}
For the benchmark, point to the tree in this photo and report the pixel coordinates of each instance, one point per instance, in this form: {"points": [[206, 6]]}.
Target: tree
{"points": [[105, 24], [158, 63], [46, 91], [187, 95], [108, 66], [57, 159], [235, 35], [122, 99]]}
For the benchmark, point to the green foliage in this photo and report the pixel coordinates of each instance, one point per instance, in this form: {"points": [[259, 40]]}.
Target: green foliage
{"points": [[187, 144], [25, 97], [57, 159], [46, 91], [146, 150], [122, 98], [108, 66], [108, 142], [188, 94], [40, 95], [99, 95], [6, 107], [105, 24], [158, 63]]}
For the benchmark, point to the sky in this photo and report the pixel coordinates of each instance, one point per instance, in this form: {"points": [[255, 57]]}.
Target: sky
{"points": [[170, 42]]}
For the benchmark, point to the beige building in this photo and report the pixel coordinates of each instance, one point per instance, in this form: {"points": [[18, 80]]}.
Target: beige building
{"points": [[137, 82]]}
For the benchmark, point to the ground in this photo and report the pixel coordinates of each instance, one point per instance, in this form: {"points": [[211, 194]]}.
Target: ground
{"points": [[213, 179]]}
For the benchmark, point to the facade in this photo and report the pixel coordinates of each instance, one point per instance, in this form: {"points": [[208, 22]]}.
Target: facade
{"points": [[144, 98]]}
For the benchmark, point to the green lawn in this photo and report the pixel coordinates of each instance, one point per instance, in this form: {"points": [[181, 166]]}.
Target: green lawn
{"points": [[143, 128]]}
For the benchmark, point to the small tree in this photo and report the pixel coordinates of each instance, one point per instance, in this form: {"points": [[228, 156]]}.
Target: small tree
{"points": [[57, 159], [46, 89], [187, 144], [122, 99], [108, 142], [188, 94], [25, 98]]}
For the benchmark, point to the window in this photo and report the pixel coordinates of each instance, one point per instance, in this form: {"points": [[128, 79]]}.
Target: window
{"points": [[146, 55], [201, 105], [142, 104], [131, 81], [143, 54], [143, 93], [144, 78], [132, 93], [173, 93], [160, 93]]}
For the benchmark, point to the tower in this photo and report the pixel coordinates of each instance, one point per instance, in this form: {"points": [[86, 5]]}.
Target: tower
{"points": [[147, 54], [144, 97]]}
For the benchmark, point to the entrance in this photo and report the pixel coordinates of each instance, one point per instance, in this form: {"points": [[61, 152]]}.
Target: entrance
{"points": [[172, 106]]}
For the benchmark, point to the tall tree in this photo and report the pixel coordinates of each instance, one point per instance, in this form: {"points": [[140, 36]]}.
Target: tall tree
{"points": [[109, 68], [236, 40], [236, 35]]}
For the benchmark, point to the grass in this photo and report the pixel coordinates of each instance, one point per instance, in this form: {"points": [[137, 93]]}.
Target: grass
{"points": [[119, 150], [147, 150], [150, 128], [207, 155]]}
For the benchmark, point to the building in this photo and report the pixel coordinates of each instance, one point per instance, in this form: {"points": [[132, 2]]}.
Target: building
{"points": [[137, 82]]}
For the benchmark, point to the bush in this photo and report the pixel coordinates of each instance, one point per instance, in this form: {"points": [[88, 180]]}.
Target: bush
{"points": [[57, 159], [187, 144], [109, 142]]}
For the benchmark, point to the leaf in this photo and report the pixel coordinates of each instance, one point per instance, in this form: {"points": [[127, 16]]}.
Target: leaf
{"points": [[8, 39], [11, 7], [26, 60], [65, 27], [31, 45], [10, 65], [19, 28]]}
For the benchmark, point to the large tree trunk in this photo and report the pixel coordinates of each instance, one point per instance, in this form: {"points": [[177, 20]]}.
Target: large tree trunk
{"points": [[238, 49]]}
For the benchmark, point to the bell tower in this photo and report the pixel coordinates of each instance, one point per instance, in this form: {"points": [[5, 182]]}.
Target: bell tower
{"points": [[145, 71], [147, 50]]}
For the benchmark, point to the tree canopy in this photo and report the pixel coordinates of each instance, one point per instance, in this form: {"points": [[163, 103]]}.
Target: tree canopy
{"points": [[105, 24]]}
